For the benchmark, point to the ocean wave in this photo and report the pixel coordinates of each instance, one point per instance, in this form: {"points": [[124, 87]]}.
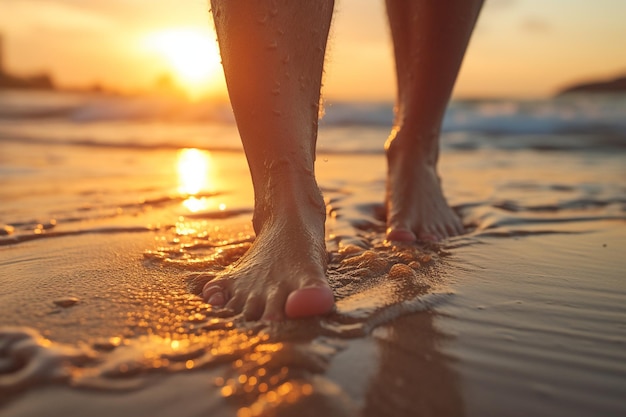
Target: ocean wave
{"points": [[577, 114], [332, 140]]}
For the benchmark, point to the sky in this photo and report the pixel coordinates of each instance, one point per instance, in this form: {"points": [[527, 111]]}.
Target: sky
{"points": [[520, 48]]}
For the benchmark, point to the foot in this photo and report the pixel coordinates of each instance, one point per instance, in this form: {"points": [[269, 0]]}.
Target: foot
{"points": [[416, 206], [283, 274]]}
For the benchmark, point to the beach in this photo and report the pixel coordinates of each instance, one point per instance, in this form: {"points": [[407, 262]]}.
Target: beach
{"points": [[106, 214]]}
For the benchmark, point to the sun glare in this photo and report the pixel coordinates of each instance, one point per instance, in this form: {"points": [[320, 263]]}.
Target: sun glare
{"points": [[194, 174], [192, 56]]}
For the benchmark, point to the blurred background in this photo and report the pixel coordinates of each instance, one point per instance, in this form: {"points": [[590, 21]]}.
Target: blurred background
{"points": [[148, 73], [521, 48]]}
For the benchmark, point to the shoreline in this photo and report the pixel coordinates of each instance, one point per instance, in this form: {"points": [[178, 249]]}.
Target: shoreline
{"points": [[521, 316]]}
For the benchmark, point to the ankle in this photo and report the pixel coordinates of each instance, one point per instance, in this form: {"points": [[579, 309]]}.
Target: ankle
{"points": [[421, 149], [288, 196]]}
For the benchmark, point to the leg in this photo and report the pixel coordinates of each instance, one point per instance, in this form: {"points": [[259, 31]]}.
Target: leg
{"points": [[429, 38], [273, 54]]}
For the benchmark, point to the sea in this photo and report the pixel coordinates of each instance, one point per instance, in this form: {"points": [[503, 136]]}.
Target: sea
{"points": [[44, 136], [570, 123]]}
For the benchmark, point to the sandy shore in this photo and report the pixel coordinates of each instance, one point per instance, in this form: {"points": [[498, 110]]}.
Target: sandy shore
{"points": [[523, 316]]}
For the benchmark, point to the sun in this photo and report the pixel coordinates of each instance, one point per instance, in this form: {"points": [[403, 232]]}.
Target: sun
{"points": [[191, 55]]}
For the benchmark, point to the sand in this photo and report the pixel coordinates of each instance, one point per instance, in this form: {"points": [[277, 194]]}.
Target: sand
{"points": [[523, 316]]}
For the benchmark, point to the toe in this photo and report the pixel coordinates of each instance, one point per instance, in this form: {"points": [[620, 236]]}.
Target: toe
{"points": [[429, 235], [400, 235], [274, 306], [217, 299], [253, 309], [236, 302], [308, 302], [214, 295], [442, 232], [460, 229], [455, 227]]}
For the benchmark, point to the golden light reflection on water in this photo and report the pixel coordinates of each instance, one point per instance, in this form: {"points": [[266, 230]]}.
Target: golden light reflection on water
{"points": [[259, 382], [195, 175], [194, 169], [263, 381], [195, 205]]}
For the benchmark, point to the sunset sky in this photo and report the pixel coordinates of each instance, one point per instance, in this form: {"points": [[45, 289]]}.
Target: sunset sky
{"points": [[521, 48]]}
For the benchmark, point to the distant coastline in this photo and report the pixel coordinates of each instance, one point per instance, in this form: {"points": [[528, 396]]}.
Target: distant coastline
{"points": [[45, 82], [34, 82], [611, 86]]}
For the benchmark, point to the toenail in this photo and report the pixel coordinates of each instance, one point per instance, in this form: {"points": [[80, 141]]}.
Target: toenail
{"points": [[400, 235], [309, 301], [430, 238], [217, 299], [214, 295]]}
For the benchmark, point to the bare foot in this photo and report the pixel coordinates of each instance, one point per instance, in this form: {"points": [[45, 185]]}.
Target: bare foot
{"points": [[283, 274], [416, 207]]}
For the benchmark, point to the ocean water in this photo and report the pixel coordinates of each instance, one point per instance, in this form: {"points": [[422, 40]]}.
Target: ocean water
{"points": [[568, 123], [69, 141]]}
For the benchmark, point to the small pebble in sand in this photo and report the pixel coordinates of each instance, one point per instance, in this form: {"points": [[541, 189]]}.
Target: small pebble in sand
{"points": [[415, 264], [406, 256], [350, 249], [368, 260], [425, 259], [401, 272], [360, 259], [66, 302]]}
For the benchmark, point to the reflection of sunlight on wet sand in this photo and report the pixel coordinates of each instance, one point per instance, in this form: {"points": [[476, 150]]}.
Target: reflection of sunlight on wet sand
{"points": [[194, 168], [195, 175], [194, 204]]}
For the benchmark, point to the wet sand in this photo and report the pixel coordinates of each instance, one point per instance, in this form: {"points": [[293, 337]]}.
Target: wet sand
{"points": [[523, 316]]}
